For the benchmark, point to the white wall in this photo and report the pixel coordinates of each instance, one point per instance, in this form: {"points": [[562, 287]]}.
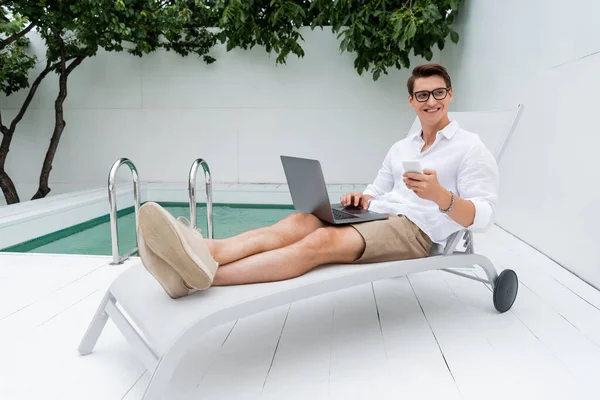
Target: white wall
{"points": [[240, 114], [545, 54]]}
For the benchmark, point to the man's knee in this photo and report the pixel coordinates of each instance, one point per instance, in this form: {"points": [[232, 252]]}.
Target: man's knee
{"points": [[300, 222], [335, 238], [338, 244], [323, 237], [303, 219], [295, 226]]}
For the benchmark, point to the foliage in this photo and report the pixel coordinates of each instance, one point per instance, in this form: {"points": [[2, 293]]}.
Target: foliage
{"points": [[15, 63], [382, 33], [272, 24]]}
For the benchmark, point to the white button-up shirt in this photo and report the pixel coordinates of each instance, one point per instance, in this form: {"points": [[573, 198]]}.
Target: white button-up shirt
{"points": [[463, 165]]}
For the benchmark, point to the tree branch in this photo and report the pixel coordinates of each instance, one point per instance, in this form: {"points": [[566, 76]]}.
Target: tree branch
{"points": [[16, 36], [59, 122], [32, 90], [78, 60], [63, 61], [3, 128]]}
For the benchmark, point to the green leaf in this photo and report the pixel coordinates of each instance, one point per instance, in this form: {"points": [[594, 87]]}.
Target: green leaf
{"points": [[344, 44], [441, 43], [411, 30], [434, 12], [404, 59], [454, 37], [428, 54], [397, 29], [401, 44], [376, 74]]}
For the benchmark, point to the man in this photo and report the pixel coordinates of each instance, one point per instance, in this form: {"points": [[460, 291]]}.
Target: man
{"points": [[458, 189]]}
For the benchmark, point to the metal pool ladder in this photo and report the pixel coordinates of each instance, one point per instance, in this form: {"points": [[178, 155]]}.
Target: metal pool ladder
{"points": [[112, 198], [192, 191]]}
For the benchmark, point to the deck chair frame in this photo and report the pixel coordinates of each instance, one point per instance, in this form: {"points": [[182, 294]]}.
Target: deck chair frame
{"points": [[134, 299]]}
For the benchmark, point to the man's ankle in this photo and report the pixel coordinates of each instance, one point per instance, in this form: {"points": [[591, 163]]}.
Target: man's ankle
{"points": [[212, 245]]}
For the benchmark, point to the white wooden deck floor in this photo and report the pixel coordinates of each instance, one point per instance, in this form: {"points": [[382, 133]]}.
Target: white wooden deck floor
{"points": [[426, 336]]}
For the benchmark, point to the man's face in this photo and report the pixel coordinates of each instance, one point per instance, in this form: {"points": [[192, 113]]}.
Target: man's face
{"points": [[432, 110]]}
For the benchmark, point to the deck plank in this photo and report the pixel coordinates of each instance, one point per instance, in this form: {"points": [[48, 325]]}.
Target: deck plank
{"points": [[475, 364], [301, 366], [244, 358], [541, 279], [414, 357], [32, 279], [562, 338], [51, 305], [359, 365], [537, 374]]}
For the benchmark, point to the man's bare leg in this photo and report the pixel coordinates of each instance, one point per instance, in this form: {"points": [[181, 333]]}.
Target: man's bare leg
{"points": [[281, 234], [323, 246]]}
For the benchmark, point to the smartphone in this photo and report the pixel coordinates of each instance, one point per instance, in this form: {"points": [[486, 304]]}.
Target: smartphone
{"points": [[412, 166]]}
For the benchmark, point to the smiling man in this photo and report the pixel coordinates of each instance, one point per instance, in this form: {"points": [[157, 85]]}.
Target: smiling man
{"points": [[458, 189]]}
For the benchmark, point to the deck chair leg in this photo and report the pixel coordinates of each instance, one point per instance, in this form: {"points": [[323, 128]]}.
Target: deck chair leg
{"points": [[96, 327], [489, 269], [158, 388], [504, 286]]}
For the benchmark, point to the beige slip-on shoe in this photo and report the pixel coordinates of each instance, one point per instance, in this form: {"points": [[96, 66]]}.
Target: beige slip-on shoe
{"points": [[168, 278], [182, 247]]}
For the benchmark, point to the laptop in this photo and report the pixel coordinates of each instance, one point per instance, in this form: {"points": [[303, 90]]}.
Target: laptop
{"points": [[309, 194]]}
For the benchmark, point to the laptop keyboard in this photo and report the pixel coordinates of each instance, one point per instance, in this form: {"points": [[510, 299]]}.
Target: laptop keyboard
{"points": [[337, 214]]}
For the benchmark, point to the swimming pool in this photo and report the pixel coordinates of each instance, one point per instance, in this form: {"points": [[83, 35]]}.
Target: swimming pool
{"points": [[93, 237]]}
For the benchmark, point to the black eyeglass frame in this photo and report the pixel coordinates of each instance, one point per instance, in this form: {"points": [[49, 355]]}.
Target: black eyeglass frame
{"points": [[430, 93]]}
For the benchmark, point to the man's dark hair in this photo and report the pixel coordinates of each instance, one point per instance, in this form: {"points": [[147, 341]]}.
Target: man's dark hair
{"points": [[425, 71]]}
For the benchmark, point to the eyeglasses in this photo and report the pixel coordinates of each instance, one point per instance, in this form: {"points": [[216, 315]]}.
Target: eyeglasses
{"points": [[423, 95]]}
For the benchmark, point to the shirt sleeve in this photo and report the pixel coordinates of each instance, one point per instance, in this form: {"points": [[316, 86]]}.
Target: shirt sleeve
{"points": [[384, 181], [478, 182]]}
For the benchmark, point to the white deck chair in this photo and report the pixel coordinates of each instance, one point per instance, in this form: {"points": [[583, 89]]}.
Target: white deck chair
{"points": [[161, 330]]}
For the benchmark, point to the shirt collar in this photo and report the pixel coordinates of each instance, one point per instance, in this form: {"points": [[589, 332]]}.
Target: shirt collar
{"points": [[448, 131]]}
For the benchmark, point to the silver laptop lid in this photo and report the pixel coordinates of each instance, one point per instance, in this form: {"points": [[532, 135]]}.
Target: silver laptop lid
{"points": [[307, 186]]}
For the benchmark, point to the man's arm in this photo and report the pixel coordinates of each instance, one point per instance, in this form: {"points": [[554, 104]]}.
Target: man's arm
{"points": [[384, 182], [478, 182], [475, 203], [463, 211]]}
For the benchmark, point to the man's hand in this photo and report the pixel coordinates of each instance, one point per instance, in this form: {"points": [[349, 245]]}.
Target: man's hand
{"points": [[356, 199], [425, 185]]}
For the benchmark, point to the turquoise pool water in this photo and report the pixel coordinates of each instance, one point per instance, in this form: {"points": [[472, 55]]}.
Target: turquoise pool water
{"points": [[93, 238]]}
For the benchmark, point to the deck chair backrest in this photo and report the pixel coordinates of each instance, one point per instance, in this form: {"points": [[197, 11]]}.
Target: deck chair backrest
{"points": [[495, 129]]}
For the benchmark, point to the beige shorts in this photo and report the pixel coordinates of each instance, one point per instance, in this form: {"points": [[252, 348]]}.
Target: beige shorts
{"points": [[396, 238]]}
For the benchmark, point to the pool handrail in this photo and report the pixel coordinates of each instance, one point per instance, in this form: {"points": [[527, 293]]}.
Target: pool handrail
{"points": [[192, 191], [112, 199]]}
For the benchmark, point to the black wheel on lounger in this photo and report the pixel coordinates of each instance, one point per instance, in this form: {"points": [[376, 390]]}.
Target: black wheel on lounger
{"points": [[505, 290]]}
